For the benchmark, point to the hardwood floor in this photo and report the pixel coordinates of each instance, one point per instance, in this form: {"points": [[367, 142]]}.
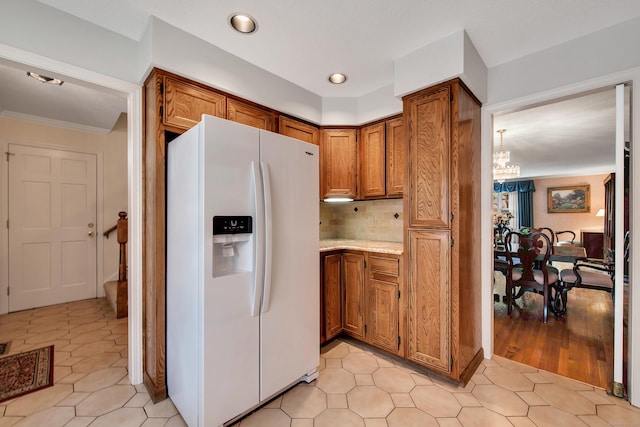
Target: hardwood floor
{"points": [[580, 346]]}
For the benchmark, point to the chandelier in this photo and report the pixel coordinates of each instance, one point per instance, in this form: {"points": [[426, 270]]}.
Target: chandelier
{"points": [[501, 171]]}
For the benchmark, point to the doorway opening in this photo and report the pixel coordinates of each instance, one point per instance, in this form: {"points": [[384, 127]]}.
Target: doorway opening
{"points": [[568, 142]]}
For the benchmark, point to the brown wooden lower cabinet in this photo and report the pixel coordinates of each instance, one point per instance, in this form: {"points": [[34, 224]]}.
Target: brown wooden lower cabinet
{"points": [[353, 295], [361, 297], [383, 301], [429, 301], [331, 265]]}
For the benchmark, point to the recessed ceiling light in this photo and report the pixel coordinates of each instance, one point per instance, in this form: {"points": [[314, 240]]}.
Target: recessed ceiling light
{"points": [[337, 78], [45, 79], [243, 23]]}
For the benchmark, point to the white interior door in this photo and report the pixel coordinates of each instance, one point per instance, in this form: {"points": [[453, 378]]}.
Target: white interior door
{"points": [[52, 226]]}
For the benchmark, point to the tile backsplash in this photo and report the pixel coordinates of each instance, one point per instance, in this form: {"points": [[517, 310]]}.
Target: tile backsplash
{"points": [[363, 220]]}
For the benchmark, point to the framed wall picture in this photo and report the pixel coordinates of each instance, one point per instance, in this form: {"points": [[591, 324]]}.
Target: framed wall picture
{"points": [[570, 199]]}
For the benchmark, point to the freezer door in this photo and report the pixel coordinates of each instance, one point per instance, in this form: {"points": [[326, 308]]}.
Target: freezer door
{"points": [[290, 311], [230, 331]]}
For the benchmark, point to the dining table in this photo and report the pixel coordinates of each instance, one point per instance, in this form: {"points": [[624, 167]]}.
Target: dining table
{"points": [[562, 253]]}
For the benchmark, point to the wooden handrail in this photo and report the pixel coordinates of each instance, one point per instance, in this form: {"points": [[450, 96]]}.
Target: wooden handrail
{"points": [[122, 240], [110, 230]]}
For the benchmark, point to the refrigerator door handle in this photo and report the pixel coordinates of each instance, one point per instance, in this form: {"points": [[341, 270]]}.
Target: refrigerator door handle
{"points": [[258, 277], [268, 236]]}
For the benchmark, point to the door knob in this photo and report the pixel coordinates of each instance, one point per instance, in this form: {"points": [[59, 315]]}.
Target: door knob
{"points": [[90, 225], [90, 233]]}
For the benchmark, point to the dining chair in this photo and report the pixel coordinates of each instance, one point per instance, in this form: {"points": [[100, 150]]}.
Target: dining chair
{"points": [[550, 242], [528, 267], [571, 241], [592, 273], [549, 233]]}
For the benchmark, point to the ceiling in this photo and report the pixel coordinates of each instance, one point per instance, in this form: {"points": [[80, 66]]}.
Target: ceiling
{"points": [[304, 41], [568, 137], [74, 105]]}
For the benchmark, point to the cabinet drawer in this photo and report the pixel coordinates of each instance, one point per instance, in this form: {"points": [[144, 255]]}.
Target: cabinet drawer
{"points": [[388, 266]]}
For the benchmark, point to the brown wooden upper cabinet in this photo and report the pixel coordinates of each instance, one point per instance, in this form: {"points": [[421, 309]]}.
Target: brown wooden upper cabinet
{"points": [[339, 162], [395, 161], [184, 103], [381, 150], [429, 114], [372, 161], [299, 130], [249, 114]]}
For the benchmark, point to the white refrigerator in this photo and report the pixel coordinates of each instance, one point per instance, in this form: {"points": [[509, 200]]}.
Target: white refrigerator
{"points": [[242, 269]]}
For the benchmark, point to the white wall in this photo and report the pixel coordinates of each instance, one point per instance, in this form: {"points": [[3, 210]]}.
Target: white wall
{"points": [[442, 60], [111, 151], [569, 221], [34, 27], [597, 54]]}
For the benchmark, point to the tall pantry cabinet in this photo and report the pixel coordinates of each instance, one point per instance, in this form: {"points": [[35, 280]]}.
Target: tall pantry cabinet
{"points": [[442, 225]]}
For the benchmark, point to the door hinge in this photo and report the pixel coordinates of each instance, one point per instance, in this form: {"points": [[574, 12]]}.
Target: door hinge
{"points": [[365, 329], [452, 242], [8, 291], [7, 224], [9, 154], [451, 366], [161, 111], [398, 294], [452, 216], [162, 88], [451, 98], [398, 340], [365, 264]]}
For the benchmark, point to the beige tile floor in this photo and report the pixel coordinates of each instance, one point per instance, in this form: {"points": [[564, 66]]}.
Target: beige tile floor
{"points": [[91, 386], [356, 386]]}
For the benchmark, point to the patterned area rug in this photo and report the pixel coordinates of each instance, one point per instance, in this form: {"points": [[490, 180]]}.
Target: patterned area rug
{"points": [[26, 372], [4, 347]]}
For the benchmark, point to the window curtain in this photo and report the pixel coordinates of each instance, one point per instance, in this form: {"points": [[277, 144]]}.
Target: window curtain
{"points": [[514, 207], [525, 191]]}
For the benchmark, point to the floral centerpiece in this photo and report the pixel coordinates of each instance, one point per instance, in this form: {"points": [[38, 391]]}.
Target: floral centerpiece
{"points": [[501, 221]]}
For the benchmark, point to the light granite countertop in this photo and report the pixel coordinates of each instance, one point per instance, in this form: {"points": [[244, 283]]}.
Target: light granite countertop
{"points": [[395, 248]]}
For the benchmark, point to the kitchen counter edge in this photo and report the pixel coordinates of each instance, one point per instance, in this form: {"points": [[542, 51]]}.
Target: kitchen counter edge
{"points": [[394, 248]]}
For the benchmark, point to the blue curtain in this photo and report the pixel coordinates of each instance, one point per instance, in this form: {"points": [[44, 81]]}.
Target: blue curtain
{"points": [[525, 191]]}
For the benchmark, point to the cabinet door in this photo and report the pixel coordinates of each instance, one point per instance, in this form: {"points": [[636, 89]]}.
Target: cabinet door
{"points": [[250, 115], [429, 125], [372, 161], [383, 314], [429, 299], [395, 146], [332, 265], [184, 104], [353, 288], [299, 130], [339, 162]]}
